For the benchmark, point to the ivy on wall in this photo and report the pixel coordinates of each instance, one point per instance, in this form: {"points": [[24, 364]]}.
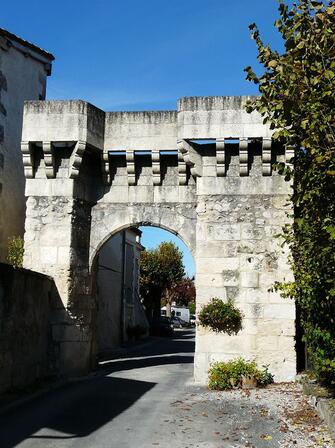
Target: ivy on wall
{"points": [[297, 100]]}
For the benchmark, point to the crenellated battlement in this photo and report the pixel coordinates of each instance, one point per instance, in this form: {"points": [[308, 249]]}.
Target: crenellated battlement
{"points": [[206, 137]]}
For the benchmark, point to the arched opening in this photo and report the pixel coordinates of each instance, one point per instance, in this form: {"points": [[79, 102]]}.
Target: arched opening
{"points": [[131, 309]]}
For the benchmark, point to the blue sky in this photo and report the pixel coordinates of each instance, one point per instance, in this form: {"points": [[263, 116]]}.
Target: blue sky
{"points": [[135, 55]]}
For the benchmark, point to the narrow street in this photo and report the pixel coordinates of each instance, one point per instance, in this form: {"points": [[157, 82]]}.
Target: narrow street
{"points": [[147, 399]]}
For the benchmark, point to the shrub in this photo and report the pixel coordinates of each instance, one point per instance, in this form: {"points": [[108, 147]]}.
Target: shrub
{"points": [[221, 317], [232, 374], [15, 251]]}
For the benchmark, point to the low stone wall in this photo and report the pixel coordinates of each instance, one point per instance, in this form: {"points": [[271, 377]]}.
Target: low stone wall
{"points": [[26, 350]]}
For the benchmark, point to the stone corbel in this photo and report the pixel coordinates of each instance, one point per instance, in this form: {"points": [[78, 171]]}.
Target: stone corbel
{"points": [[191, 157], [156, 166], [76, 159], [266, 157], [244, 168], [220, 157], [28, 160], [49, 160], [130, 159], [105, 167], [182, 173]]}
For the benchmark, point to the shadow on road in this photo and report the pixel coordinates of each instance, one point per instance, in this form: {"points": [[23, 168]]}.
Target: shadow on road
{"points": [[182, 342], [75, 411], [79, 409], [129, 364]]}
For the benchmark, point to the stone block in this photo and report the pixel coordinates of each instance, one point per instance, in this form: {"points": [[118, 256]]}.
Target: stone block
{"points": [[117, 194], [251, 310], [252, 295], [249, 279], [286, 344], [63, 255], [48, 255], [209, 280], [267, 343], [251, 232], [205, 294], [138, 194], [227, 232], [279, 311], [230, 278], [217, 265], [209, 171], [200, 368]]}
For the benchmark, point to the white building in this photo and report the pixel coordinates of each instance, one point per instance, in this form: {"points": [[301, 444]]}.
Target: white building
{"points": [[23, 73], [119, 306]]}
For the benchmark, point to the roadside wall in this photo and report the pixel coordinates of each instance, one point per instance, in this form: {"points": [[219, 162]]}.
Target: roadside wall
{"points": [[26, 349]]}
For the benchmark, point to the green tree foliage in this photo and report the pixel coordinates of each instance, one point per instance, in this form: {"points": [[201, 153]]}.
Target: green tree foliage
{"points": [[298, 102], [15, 251], [159, 269]]}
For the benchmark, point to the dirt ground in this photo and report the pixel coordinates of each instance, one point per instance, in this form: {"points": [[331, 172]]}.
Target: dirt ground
{"points": [[277, 416]]}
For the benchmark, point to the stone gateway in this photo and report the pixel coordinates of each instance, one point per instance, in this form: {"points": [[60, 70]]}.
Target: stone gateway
{"points": [[204, 172]]}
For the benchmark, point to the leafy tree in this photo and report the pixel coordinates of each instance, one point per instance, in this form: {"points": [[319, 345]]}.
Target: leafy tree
{"points": [[297, 100], [159, 269], [182, 292]]}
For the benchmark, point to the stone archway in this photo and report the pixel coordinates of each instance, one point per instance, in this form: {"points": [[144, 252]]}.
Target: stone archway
{"points": [[90, 173], [115, 284], [107, 226]]}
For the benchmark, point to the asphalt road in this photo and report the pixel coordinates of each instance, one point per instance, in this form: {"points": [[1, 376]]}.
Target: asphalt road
{"points": [[122, 406], [145, 398]]}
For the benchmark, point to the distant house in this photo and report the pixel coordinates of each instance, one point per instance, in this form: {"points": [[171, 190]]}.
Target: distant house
{"points": [[119, 305], [178, 311], [24, 68]]}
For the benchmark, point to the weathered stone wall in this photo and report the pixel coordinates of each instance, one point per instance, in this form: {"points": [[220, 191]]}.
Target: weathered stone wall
{"points": [[219, 195], [23, 73], [27, 351], [238, 257]]}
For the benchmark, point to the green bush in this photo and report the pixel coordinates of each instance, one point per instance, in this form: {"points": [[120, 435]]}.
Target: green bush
{"points": [[15, 251], [229, 375], [221, 317]]}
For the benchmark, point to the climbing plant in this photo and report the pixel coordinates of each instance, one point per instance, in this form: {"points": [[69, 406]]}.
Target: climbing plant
{"points": [[297, 100], [15, 251]]}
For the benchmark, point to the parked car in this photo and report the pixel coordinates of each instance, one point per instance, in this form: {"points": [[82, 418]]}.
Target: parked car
{"points": [[179, 323], [162, 327]]}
